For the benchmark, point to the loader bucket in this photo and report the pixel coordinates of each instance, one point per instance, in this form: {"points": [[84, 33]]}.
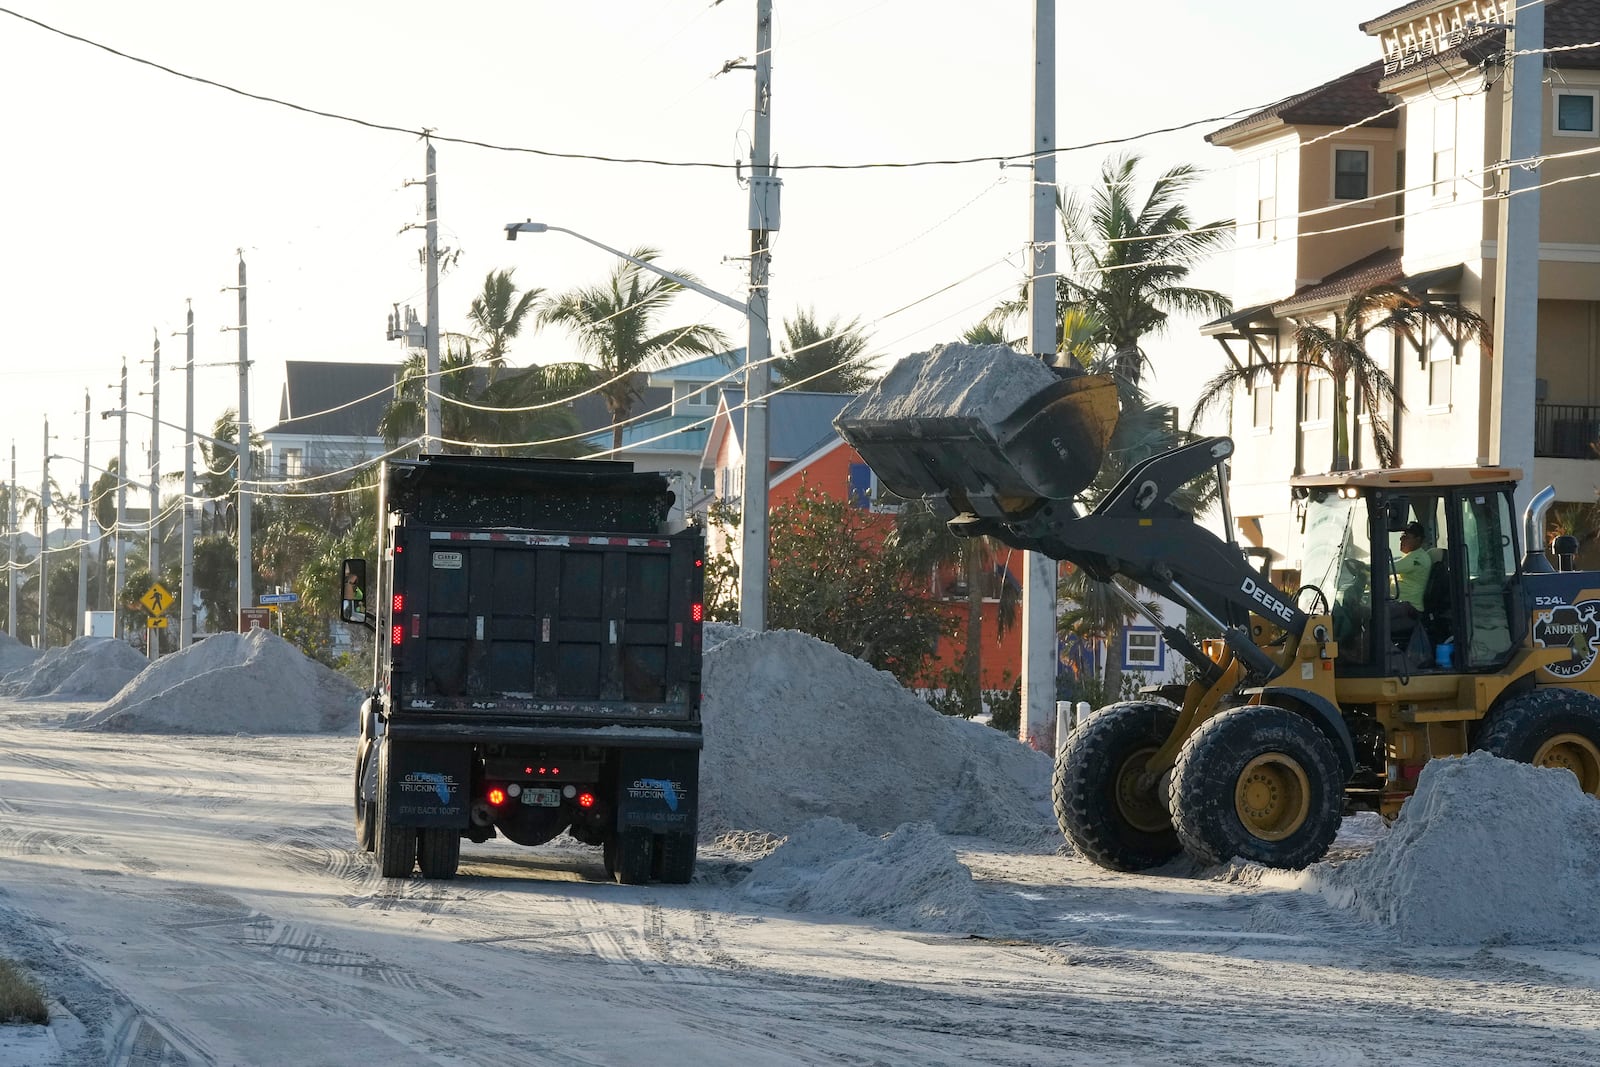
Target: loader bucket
{"points": [[987, 430]]}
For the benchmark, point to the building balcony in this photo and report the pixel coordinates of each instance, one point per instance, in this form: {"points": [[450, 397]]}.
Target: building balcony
{"points": [[1566, 431]]}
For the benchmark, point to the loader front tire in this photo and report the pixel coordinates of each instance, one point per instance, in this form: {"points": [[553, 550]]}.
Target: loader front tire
{"points": [[1257, 783], [1549, 727], [1107, 804]]}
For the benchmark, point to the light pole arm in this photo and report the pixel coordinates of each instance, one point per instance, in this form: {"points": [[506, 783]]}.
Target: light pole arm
{"points": [[514, 228], [119, 412]]}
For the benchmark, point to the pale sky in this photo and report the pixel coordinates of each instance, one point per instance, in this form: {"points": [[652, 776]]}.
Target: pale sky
{"points": [[130, 190]]}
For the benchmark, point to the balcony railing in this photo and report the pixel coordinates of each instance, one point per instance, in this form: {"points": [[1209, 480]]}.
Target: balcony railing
{"points": [[1566, 431]]}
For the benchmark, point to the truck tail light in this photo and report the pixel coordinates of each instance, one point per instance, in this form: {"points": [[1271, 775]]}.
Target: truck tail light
{"points": [[395, 633], [697, 612], [399, 603], [586, 800], [497, 796]]}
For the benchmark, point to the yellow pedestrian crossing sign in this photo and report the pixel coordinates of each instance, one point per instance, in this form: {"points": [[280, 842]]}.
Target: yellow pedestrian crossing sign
{"points": [[156, 599]]}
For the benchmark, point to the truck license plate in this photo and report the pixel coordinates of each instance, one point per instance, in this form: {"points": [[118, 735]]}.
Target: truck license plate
{"points": [[542, 798]]}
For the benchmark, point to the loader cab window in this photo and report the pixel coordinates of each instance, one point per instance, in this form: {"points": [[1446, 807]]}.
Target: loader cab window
{"points": [[1337, 559], [1487, 572]]}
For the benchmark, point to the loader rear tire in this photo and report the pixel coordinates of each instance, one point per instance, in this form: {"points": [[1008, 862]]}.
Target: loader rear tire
{"points": [[1257, 783], [395, 846], [1108, 806], [1549, 727]]}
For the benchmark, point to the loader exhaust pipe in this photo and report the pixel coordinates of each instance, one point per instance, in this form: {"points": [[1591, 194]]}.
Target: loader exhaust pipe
{"points": [[1534, 560]]}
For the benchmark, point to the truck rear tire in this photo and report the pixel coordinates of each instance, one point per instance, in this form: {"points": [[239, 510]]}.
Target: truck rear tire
{"points": [[1257, 783], [1105, 803], [634, 851], [439, 852], [1549, 727], [674, 857], [395, 846]]}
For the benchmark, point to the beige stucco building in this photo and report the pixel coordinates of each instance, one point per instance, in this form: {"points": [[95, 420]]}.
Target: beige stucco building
{"points": [[1387, 174]]}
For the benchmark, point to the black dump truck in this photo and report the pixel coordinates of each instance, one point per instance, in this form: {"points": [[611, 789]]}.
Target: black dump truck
{"points": [[537, 631]]}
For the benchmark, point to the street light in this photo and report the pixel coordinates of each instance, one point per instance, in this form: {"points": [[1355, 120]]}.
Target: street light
{"points": [[753, 521]]}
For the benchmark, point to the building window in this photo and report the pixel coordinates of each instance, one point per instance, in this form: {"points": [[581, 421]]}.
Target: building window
{"points": [[1400, 191], [1143, 650], [860, 485], [1575, 113], [1261, 413], [1444, 148], [1441, 358], [693, 395], [293, 463], [1319, 398], [1352, 168], [1267, 200]]}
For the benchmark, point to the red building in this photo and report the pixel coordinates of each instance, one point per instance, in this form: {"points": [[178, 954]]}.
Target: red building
{"points": [[805, 451]]}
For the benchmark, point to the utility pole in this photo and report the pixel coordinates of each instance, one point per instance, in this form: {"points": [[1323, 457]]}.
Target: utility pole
{"points": [[44, 544], [432, 429], [152, 638], [186, 575], [15, 575], [764, 192], [1514, 363], [246, 571], [1039, 577], [82, 626], [122, 501]]}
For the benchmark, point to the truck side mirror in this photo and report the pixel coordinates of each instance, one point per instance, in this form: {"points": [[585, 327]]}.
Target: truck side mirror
{"points": [[1396, 513], [353, 591]]}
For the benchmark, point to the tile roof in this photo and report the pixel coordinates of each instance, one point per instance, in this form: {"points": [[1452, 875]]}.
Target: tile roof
{"points": [[1379, 268], [1404, 11], [1348, 98], [333, 399], [1566, 23]]}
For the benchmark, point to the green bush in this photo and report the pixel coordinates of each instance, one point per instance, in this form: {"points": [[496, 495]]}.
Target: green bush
{"points": [[20, 999]]}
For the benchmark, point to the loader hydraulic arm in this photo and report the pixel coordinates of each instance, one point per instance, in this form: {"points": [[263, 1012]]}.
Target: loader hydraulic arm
{"points": [[1138, 532], [997, 443]]}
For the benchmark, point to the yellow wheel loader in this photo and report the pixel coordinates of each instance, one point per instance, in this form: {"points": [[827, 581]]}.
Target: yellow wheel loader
{"points": [[1309, 706]]}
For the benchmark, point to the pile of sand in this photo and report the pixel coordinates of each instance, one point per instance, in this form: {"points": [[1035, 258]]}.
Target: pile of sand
{"points": [[254, 683], [982, 382], [91, 668], [14, 653], [1486, 850], [796, 730], [910, 878]]}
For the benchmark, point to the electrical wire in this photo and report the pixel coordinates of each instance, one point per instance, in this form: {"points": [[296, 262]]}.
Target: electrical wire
{"points": [[598, 158]]}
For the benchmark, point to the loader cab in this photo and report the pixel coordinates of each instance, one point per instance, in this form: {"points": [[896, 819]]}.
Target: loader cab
{"points": [[1419, 568]]}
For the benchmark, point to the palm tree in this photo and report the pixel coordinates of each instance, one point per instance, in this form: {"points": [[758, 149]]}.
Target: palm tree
{"points": [[1095, 612], [823, 359], [1144, 429], [497, 316], [1339, 349], [1129, 261], [523, 411], [614, 324]]}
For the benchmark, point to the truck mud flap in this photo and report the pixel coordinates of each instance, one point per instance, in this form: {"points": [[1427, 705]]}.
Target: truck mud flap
{"points": [[658, 789], [428, 784]]}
